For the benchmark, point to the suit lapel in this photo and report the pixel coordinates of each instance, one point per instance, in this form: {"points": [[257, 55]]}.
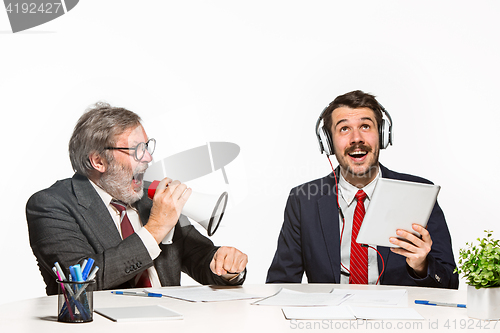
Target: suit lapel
{"points": [[95, 212], [329, 221]]}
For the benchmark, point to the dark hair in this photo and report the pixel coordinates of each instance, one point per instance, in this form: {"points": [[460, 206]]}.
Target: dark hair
{"points": [[354, 99], [98, 128]]}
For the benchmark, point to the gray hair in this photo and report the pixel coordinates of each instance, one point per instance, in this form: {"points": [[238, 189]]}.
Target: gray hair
{"points": [[98, 128]]}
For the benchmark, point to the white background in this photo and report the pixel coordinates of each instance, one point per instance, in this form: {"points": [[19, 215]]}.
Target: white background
{"points": [[257, 74]]}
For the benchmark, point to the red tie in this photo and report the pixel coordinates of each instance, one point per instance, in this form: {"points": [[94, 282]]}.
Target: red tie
{"points": [[141, 280], [359, 255]]}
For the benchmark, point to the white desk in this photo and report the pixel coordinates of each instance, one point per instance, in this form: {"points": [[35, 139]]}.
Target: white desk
{"points": [[39, 314]]}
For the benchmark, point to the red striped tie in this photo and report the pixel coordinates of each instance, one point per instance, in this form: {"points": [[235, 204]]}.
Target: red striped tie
{"points": [[141, 280], [359, 255]]}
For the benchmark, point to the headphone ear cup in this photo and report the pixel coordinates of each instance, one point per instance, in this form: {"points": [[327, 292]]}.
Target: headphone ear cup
{"points": [[384, 134], [390, 136], [385, 130], [326, 139], [381, 132]]}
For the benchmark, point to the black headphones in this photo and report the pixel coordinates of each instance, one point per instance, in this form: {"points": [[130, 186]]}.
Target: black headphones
{"points": [[325, 139]]}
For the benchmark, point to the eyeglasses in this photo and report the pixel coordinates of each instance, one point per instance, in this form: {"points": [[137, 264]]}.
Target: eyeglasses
{"points": [[140, 149]]}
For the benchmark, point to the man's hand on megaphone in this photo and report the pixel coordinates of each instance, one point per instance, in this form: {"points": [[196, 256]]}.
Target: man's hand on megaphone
{"points": [[168, 201], [228, 262]]}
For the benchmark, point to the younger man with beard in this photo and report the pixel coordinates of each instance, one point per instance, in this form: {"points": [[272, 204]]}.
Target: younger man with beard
{"points": [[314, 238], [103, 214]]}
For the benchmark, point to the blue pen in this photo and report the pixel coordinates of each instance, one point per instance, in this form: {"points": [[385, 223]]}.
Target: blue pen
{"points": [[132, 293], [78, 273], [88, 267], [72, 275], [453, 305]]}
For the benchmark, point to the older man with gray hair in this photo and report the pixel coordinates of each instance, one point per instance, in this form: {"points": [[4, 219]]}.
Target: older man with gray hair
{"points": [[103, 214]]}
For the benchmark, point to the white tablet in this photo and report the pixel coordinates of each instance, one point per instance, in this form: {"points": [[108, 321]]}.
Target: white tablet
{"points": [[396, 204]]}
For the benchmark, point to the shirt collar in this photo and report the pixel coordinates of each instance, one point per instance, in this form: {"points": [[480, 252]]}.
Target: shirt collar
{"points": [[348, 191]]}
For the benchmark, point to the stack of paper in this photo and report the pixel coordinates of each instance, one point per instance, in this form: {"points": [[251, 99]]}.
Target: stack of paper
{"points": [[349, 312], [343, 304]]}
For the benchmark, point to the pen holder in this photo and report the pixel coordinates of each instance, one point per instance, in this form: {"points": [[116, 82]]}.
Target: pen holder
{"points": [[75, 301]]}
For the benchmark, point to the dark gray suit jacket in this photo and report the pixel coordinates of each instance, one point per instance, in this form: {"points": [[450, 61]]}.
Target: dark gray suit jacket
{"points": [[68, 223]]}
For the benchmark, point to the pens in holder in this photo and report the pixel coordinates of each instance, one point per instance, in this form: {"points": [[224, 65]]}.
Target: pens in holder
{"points": [[454, 305], [75, 299]]}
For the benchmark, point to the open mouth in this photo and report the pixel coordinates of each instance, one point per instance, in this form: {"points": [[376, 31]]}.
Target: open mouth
{"points": [[138, 178], [358, 154]]}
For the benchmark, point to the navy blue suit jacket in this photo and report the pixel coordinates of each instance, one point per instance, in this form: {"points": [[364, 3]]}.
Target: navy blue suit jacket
{"points": [[309, 241]]}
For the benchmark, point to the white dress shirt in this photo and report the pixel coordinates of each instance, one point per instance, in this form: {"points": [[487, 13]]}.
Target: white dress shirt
{"points": [[348, 203]]}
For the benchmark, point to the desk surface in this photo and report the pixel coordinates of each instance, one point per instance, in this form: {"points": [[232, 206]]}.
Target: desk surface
{"points": [[39, 314]]}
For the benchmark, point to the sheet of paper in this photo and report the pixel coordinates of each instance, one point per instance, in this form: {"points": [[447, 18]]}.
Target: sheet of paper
{"points": [[394, 297], [385, 313], [202, 294], [318, 313], [287, 297], [344, 312]]}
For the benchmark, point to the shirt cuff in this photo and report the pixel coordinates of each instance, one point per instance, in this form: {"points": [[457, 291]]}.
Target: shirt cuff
{"points": [[149, 242]]}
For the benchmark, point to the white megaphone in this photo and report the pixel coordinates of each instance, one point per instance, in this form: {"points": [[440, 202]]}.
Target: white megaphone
{"points": [[206, 209]]}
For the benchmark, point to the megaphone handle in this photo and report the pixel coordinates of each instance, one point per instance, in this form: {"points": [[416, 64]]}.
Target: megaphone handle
{"points": [[152, 189]]}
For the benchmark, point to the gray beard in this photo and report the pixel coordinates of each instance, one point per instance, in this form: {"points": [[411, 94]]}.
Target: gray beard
{"points": [[116, 181]]}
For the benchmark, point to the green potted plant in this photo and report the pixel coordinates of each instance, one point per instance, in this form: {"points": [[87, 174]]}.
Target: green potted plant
{"points": [[480, 266]]}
